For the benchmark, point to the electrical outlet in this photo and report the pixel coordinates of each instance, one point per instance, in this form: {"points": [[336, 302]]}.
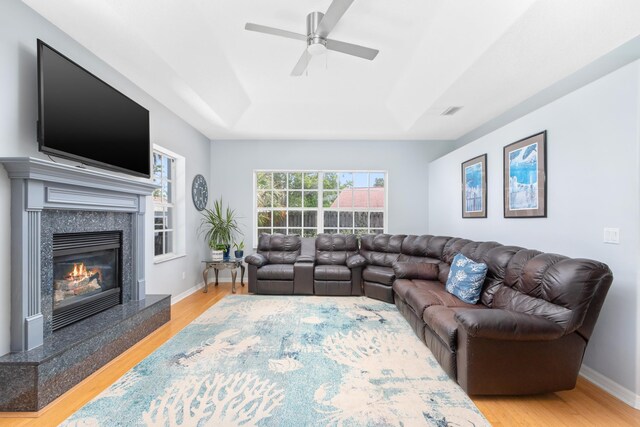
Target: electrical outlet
{"points": [[612, 235], [184, 275]]}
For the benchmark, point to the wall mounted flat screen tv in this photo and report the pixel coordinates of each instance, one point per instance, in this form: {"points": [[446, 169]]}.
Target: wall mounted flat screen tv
{"points": [[84, 119]]}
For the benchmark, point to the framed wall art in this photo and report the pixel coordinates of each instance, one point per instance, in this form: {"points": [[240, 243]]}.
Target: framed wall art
{"points": [[525, 177], [474, 187]]}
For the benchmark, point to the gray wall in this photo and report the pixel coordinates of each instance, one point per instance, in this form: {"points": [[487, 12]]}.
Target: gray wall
{"points": [[19, 28], [593, 182], [405, 161]]}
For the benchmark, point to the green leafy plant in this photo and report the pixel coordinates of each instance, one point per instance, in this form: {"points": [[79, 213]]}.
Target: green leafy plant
{"points": [[219, 225], [239, 246]]}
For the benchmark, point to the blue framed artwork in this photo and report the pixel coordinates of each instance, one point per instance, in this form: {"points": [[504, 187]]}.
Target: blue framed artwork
{"points": [[474, 187], [525, 177]]}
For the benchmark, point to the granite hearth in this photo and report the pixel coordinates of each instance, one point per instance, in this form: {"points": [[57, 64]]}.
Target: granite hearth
{"points": [[49, 198], [32, 379]]}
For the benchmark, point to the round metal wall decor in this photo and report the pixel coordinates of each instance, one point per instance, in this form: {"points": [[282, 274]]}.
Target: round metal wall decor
{"points": [[199, 192]]}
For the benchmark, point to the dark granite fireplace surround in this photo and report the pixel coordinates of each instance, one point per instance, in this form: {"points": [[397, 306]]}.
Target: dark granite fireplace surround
{"points": [[50, 198], [58, 221]]}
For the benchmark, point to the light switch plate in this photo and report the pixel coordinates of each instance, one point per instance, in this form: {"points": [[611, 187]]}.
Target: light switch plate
{"points": [[612, 235]]}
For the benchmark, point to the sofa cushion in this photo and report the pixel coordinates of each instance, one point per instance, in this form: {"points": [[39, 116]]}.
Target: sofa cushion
{"points": [[402, 286], [376, 273], [381, 249], [276, 272], [413, 270], [422, 248], [335, 249], [466, 278], [332, 272], [426, 293], [415, 246], [279, 248], [498, 261], [452, 248]]}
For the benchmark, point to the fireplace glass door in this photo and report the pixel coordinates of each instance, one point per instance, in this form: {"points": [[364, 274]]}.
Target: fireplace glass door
{"points": [[76, 277], [86, 275]]}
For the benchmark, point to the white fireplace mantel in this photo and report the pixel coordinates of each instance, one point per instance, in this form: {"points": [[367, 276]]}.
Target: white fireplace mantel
{"points": [[39, 184]]}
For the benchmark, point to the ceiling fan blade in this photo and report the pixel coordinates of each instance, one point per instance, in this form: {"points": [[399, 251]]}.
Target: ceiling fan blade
{"points": [[333, 15], [274, 31], [302, 64], [352, 49]]}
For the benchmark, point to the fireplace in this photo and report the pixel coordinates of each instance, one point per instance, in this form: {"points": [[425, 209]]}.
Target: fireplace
{"points": [[87, 275], [64, 217]]}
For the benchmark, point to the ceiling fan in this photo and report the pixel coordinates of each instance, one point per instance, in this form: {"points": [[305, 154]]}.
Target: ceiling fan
{"points": [[319, 26]]}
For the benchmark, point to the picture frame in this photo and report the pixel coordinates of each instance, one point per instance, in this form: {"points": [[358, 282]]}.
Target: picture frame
{"points": [[525, 177], [474, 187]]}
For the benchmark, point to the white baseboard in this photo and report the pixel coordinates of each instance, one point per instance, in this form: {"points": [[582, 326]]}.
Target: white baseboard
{"points": [[183, 295], [611, 387]]}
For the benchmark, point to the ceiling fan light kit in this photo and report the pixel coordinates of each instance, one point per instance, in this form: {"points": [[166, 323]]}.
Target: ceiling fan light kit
{"points": [[317, 48], [319, 26]]}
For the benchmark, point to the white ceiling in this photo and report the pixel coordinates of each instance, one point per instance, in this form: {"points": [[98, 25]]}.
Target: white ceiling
{"points": [[488, 56]]}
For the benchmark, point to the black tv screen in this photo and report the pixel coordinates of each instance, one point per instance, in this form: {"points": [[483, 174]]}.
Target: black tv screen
{"points": [[82, 118]]}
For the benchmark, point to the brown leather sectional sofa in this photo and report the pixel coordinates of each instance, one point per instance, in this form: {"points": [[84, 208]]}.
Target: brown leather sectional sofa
{"points": [[527, 334]]}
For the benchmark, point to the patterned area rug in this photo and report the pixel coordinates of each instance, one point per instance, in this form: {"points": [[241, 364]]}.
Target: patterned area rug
{"points": [[287, 361]]}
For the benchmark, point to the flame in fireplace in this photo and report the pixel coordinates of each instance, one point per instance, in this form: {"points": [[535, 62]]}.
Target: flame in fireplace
{"points": [[78, 281], [79, 272]]}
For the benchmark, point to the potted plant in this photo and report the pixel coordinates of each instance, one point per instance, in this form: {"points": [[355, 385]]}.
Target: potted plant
{"points": [[219, 226], [239, 252], [217, 254]]}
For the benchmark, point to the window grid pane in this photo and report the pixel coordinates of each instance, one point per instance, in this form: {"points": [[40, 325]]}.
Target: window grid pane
{"points": [[309, 202]]}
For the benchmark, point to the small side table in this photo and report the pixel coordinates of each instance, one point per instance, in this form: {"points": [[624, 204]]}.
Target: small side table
{"points": [[228, 264]]}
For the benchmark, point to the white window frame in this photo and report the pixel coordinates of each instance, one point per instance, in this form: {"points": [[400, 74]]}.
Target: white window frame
{"points": [[320, 209], [178, 205]]}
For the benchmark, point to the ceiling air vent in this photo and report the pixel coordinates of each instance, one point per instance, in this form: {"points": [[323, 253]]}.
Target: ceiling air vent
{"points": [[450, 111]]}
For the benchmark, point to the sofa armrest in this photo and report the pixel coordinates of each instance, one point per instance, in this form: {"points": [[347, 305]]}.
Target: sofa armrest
{"points": [[256, 259], [356, 260], [306, 258], [507, 325], [416, 270]]}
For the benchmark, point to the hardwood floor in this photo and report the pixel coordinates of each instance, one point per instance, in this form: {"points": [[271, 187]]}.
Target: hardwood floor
{"points": [[586, 405]]}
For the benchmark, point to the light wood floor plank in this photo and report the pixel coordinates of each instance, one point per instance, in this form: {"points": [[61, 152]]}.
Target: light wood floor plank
{"points": [[586, 405]]}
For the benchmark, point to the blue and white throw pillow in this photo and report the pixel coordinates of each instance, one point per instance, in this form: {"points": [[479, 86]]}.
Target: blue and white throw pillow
{"points": [[466, 278]]}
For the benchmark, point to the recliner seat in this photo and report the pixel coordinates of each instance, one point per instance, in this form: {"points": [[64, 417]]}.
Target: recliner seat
{"points": [[338, 269], [380, 251], [279, 267]]}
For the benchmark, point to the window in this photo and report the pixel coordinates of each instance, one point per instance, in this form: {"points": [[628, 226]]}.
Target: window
{"points": [[163, 203], [354, 202], [312, 202], [169, 206]]}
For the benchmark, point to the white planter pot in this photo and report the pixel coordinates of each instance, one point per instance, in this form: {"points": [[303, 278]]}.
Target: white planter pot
{"points": [[217, 255]]}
